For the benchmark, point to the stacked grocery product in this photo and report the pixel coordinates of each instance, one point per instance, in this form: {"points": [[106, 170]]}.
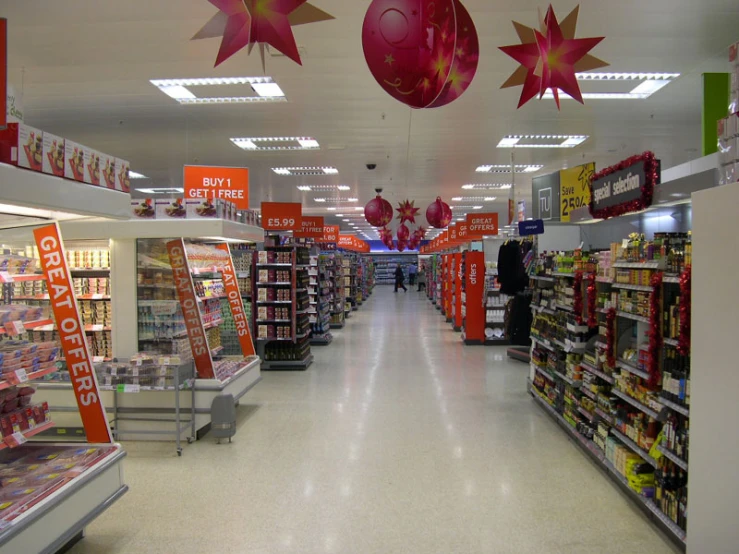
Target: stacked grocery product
{"points": [[283, 306], [319, 291], [615, 371]]}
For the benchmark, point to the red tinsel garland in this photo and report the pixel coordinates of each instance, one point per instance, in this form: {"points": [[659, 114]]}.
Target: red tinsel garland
{"points": [[647, 190], [683, 343], [655, 331], [577, 301], [592, 294], [611, 337]]}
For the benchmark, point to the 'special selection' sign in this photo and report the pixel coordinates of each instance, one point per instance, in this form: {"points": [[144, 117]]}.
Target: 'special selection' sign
{"points": [[626, 187]]}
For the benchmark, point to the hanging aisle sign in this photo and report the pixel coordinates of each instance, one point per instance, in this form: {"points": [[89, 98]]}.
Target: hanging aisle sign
{"points": [[574, 189], [480, 225], [190, 309], [72, 334], [236, 303], [532, 227], [623, 188], [227, 183], [463, 232], [282, 216], [312, 228]]}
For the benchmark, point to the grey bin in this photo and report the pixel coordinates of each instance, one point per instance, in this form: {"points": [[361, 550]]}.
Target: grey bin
{"points": [[223, 417]]}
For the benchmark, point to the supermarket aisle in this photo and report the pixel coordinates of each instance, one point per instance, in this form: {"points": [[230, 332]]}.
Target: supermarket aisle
{"points": [[397, 439]]}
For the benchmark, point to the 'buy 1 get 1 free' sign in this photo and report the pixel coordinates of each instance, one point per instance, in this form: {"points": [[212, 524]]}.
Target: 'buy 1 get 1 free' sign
{"points": [[226, 183], [312, 228], [282, 216], [480, 225]]}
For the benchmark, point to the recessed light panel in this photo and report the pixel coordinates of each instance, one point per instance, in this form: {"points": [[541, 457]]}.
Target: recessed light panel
{"points": [[305, 171], [507, 168], [542, 141], [486, 186], [265, 90], [134, 175], [643, 85], [335, 200], [172, 190], [323, 188], [473, 199], [257, 144]]}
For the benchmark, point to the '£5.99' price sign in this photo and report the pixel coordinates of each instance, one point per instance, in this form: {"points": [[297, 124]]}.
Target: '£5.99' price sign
{"points": [[282, 216]]}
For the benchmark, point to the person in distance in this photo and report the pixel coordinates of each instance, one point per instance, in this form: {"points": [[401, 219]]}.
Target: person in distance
{"points": [[421, 279], [412, 270], [399, 279]]}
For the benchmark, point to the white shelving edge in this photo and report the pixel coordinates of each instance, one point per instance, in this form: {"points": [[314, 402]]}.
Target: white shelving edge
{"points": [[31, 189], [57, 519]]}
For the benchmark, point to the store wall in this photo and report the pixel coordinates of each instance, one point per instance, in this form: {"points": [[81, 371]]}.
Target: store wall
{"points": [[713, 489], [560, 237]]}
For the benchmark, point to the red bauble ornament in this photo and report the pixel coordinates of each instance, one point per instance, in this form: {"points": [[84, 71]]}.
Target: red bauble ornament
{"points": [[439, 214], [378, 212], [423, 53], [403, 233], [402, 245]]}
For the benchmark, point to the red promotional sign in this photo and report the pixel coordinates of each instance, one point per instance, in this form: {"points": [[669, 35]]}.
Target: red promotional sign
{"points": [[479, 225], [190, 309], [474, 327], [350, 242], [330, 234], [241, 321], [463, 232], [227, 183], [72, 334], [448, 282], [458, 291], [453, 234], [282, 216], [312, 228], [4, 72]]}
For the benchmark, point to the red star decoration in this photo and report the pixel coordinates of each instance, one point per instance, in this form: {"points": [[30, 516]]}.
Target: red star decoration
{"points": [[407, 212], [550, 58], [244, 23]]}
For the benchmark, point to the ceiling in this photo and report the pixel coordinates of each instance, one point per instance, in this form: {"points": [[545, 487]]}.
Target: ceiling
{"points": [[83, 68]]}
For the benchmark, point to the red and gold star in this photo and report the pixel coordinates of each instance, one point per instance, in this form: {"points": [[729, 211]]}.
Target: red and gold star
{"points": [[550, 58], [407, 211], [243, 23]]}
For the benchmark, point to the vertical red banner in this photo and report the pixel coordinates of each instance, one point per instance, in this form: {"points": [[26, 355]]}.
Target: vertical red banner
{"points": [[449, 278], [4, 72], [72, 334], [190, 309], [236, 303], [458, 291], [474, 327]]}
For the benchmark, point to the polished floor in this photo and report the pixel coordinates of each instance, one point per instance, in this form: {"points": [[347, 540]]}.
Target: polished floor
{"points": [[398, 439]]}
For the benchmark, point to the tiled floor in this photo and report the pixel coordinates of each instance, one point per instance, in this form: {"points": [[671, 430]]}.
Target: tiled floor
{"points": [[398, 439]]}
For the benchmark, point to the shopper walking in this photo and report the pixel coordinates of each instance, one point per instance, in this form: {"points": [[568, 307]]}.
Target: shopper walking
{"points": [[422, 279], [412, 270], [399, 279]]}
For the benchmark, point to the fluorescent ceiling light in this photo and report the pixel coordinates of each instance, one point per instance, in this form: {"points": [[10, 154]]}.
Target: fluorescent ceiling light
{"points": [[488, 199], [650, 83], [507, 168], [168, 190], [343, 187], [352, 199], [320, 199], [276, 143], [265, 88], [268, 90], [568, 141], [134, 175], [486, 187], [336, 200], [323, 188], [473, 199], [305, 170], [477, 207], [460, 219], [331, 209], [358, 209], [304, 188]]}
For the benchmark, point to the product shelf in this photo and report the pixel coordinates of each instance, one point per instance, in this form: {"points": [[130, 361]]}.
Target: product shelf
{"points": [[631, 369], [543, 372], [567, 380], [638, 405], [31, 376], [30, 433], [675, 407], [40, 325], [643, 288], [633, 317], [677, 460], [597, 373], [635, 447]]}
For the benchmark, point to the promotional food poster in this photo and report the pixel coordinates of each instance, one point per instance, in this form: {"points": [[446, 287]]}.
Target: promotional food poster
{"points": [[53, 162]]}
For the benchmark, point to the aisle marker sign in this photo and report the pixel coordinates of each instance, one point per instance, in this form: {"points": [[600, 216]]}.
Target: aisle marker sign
{"points": [[463, 232], [72, 334], [226, 183], [282, 216], [480, 225], [453, 234], [330, 234], [236, 303], [312, 228], [190, 309]]}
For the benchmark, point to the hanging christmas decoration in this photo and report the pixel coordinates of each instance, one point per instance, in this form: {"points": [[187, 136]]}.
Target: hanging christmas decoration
{"points": [[402, 245], [423, 53], [577, 300], [407, 211], [550, 57], [611, 338], [439, 214], [378, 212], [592, 297], [243, 23], [683, 343], [654, 333], [403, 232]]}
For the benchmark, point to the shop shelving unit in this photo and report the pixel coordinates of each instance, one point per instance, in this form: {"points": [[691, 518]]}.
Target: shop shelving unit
{"points": [[282, 284], [572, 379], [334, 271], [385, 265], [319, 291]]}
